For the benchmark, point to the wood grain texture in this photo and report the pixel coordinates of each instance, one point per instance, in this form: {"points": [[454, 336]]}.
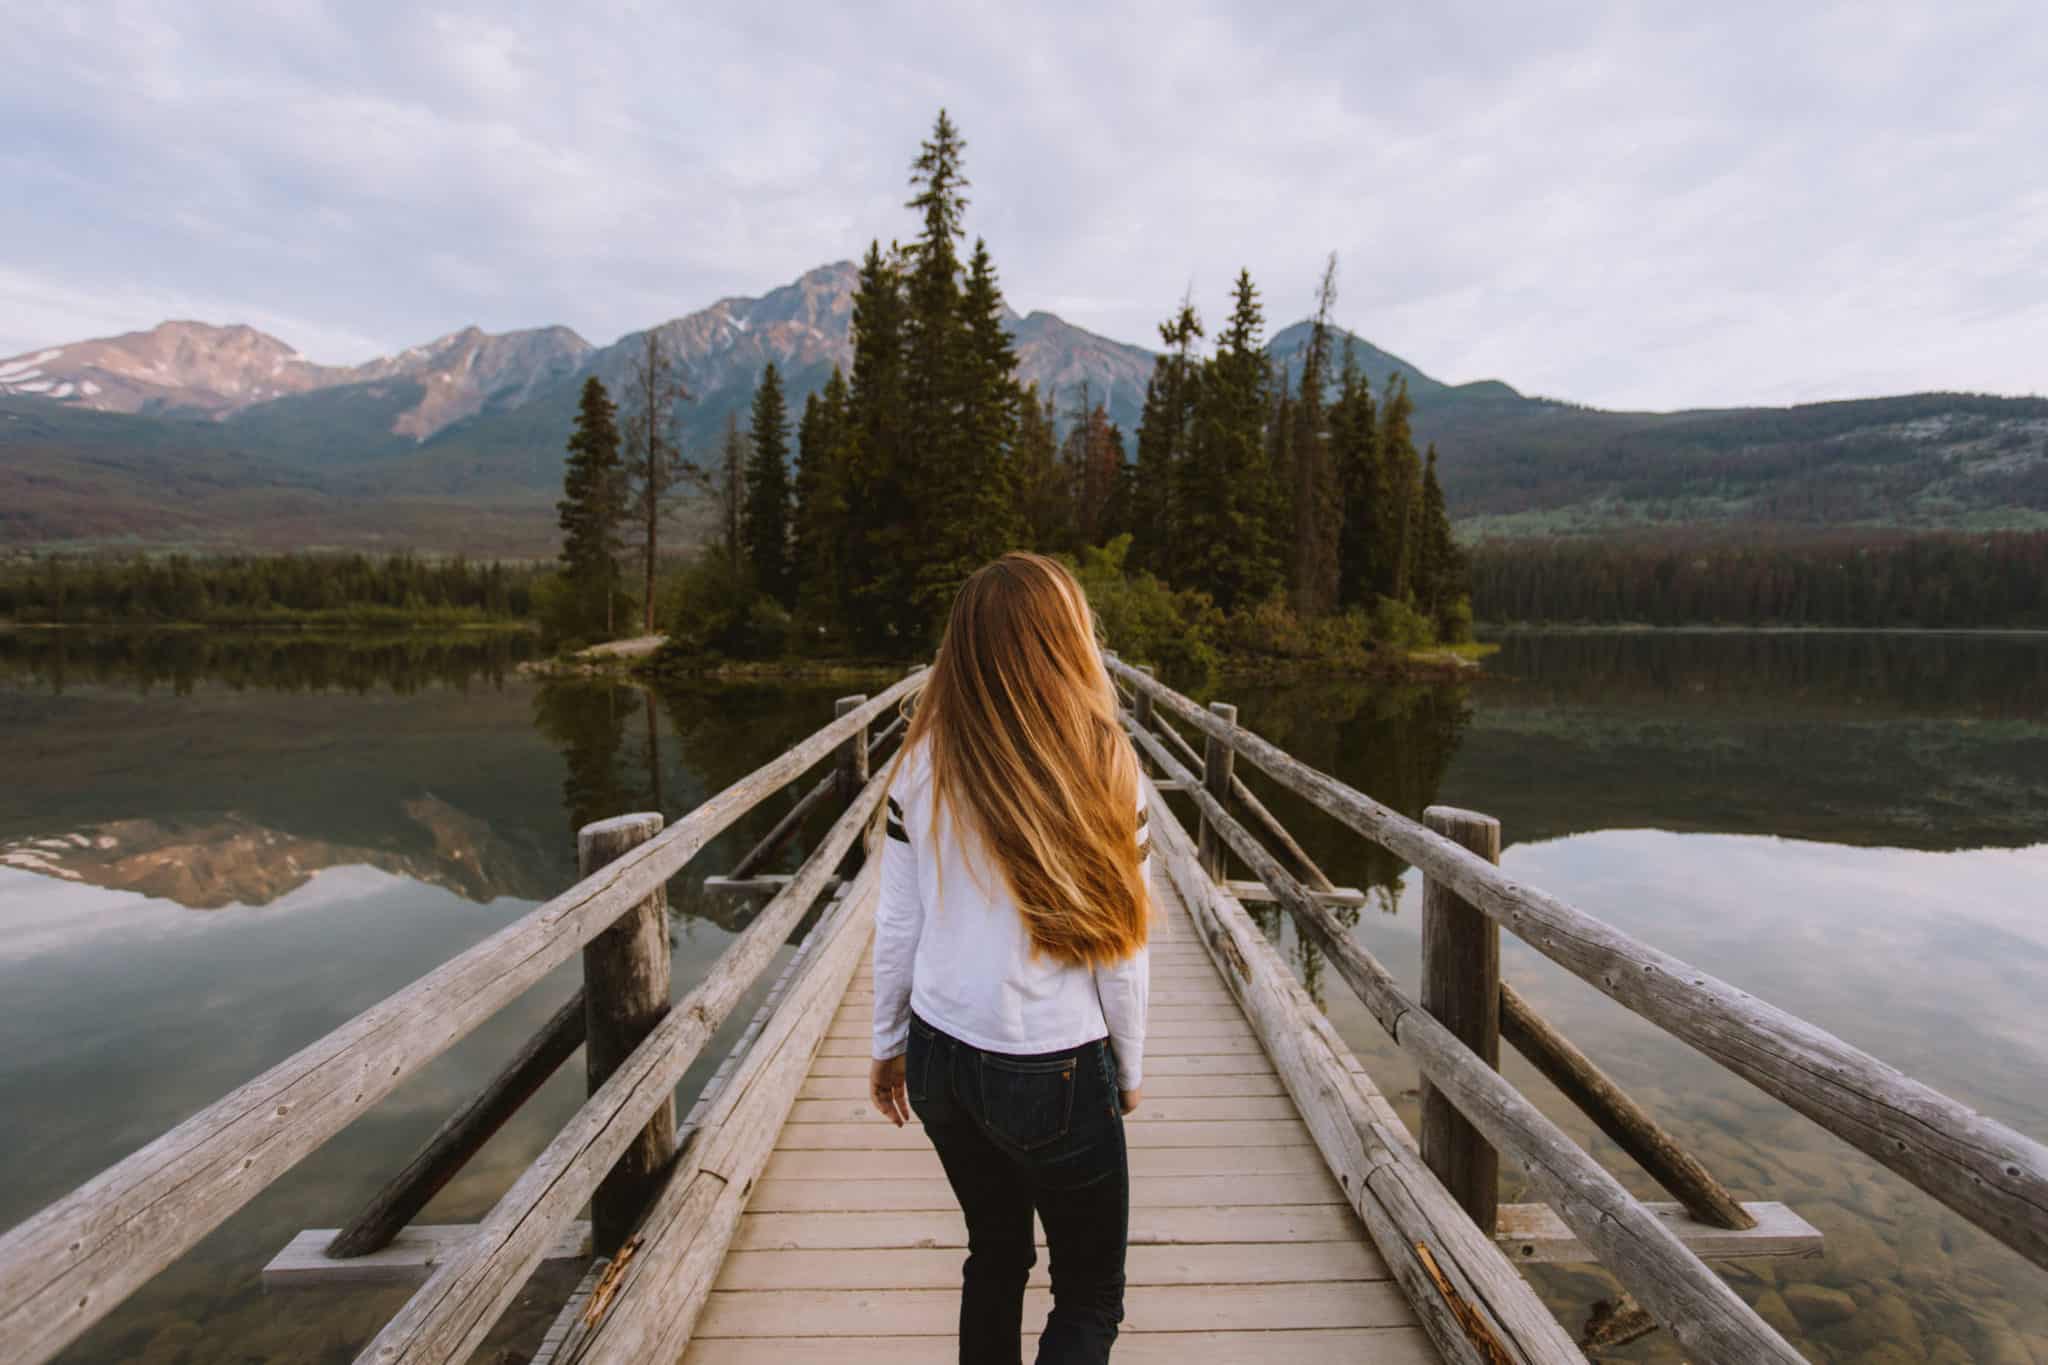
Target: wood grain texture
{"points": [[450, 1315], [1702, 1313], [1461, 990], [1534, 1234], [1385, 1182], [1983, 1169], [1629, 1125], [66, 1267], [461, 1135], [626, 977]]}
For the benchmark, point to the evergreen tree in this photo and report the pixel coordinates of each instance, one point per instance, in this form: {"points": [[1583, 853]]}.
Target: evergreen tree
{"points": [[1442, 571], [1163, 437], [1046, 508], [767, 514], [729, 487], [1317, 505], [935, 356], [821, 516], [1227, 493], [976, 508], [1402, 486], [592, 505], [1354, 447], [881, 529]]}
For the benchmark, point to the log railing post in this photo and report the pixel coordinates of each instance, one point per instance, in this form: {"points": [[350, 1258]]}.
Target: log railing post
{"points": [[625, 994], [1141, 702], [853, 756], [1218, 759], [1461, 990]]}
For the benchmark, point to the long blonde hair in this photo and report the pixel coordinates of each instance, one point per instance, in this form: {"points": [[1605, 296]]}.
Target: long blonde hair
{"points": [[1026, 753]]}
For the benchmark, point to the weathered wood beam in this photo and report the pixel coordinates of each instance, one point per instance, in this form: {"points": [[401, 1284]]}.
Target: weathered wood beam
{"points": [[305, 1262], [1533, 1234], [1461, 991], [785, 828], [1617, 1115], [1985, 1170], [853, 755], [1700, 1311], [1490, 1314], [1254, 893], [456, 1308], [460, 1136], [761, 884], [69, 1265], [1249, 802], [626, 978], [1217, 761], [682, 1244]]}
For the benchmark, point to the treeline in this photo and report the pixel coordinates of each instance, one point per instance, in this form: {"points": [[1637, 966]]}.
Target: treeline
{"points": [[1263, 512], [1930, 580], [259, 589]]}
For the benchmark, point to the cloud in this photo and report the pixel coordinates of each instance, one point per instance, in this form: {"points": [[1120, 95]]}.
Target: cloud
{"points": [[1623, 204]]}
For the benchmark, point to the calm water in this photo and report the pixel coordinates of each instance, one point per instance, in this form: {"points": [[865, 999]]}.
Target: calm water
{"points": [[212, 852]]}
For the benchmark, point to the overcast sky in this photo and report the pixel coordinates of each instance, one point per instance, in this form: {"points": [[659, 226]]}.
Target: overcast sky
{"points": [[1633, 205]]}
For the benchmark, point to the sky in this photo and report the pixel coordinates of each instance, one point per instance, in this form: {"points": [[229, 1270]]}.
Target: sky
{"points": [[1637, 205]]}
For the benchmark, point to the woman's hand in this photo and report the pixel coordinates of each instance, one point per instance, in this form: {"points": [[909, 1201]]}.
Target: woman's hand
{"points": [[887, 1090], [1130, 1099]]}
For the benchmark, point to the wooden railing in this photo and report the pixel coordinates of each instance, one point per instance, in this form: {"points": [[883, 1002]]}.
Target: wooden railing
{"points": [[1975, 1165], [69, 1265]]}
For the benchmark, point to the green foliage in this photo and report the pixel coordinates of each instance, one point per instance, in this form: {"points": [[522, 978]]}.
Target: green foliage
{"points": [[1141, 618], [353, 589], [1397, 624], [765, 523], [593, 502], [718, 611]]}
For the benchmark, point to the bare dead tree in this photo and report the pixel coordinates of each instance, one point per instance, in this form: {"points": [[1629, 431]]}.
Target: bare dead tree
{"points": [[655, 467]]}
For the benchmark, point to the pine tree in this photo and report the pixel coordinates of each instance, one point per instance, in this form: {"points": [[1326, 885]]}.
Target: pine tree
{"points": [[1442, 576], [1164, 430], [1317, 505], [821, 520], [1227, 494], [935, 356], [1354, 447], [592, 505], [766, 521], [729, 487], [1401, 485], [881, 529], [654, 456], [1047, 511], [976, 508]]}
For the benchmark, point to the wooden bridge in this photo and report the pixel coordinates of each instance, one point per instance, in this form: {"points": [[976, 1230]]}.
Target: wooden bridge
{"points": [[1280, 1209]]}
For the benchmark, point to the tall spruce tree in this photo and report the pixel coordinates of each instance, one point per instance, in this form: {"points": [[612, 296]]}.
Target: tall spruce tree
{"points": [[881, 524], [1317, 504], [978, 516], [1401, 488], [1354, 446], [592, 505], [1047, 510], [821, 522], [1164, 429], [935, 356], [1442, 570], [729, 489], [1227, 489], [766, 522]]}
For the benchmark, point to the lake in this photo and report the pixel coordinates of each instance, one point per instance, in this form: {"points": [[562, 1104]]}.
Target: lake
{"points": [[215, 849]]}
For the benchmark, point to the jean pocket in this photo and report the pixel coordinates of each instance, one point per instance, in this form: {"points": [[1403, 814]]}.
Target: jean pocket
{"points": [[1027, 1102], [916, 1063]]}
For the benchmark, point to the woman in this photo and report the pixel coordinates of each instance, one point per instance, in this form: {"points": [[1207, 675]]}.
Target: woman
{"points": [[1009, 960]]}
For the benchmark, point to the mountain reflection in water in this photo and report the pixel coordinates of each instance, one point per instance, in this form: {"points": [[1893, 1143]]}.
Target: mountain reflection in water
{"points": [[214, 849]]}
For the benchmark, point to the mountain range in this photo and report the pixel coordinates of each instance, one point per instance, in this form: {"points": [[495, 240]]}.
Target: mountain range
{"points": [[209, 436]]}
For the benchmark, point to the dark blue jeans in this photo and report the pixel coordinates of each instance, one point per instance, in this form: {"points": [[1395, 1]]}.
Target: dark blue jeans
{"points": [[1021, 1133]]}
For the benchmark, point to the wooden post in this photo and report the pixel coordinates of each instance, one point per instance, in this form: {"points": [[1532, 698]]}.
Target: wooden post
{"points": [[459, 1138], [1461, 990], [853, 755], [1618, 1116], [625, 994], [1217, 762], [1141, 701]]}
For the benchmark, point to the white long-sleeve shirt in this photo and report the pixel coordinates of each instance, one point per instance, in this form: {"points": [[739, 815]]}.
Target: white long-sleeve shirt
{"points": [[951, 944]]}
